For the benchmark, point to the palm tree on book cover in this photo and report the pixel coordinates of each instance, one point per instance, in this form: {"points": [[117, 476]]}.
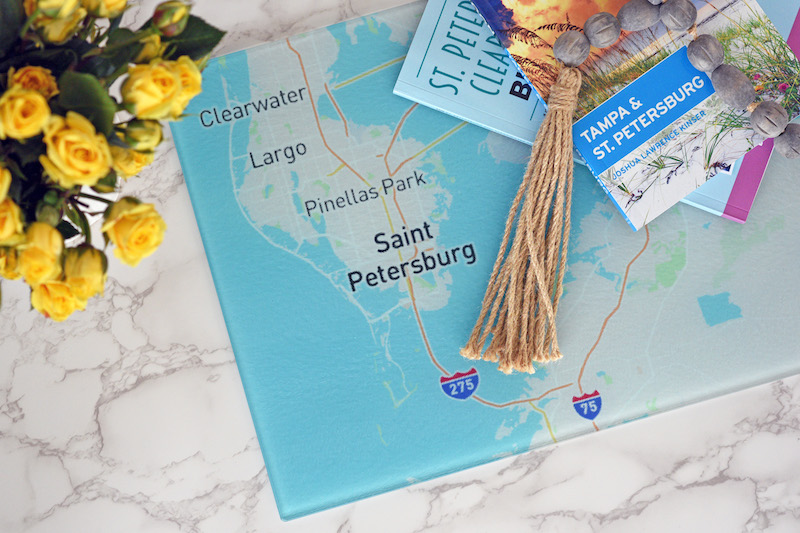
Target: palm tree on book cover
{"points": [[542, 74], [541, 69], [531, 28]]}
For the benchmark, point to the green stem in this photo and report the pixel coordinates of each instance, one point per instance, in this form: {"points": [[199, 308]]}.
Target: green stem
{"points": [[88, 24], [100, 36], [122, 44], [28, 22], [93, 197]]}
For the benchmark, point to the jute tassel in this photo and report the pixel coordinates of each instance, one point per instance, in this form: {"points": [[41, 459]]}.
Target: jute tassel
{"points": [[520, 304]]}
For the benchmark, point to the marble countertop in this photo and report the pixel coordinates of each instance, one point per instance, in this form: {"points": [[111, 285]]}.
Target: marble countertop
{"points": [[130, 417]]}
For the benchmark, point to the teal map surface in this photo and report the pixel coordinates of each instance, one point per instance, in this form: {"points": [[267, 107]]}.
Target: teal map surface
{"points": [[351, 233]]}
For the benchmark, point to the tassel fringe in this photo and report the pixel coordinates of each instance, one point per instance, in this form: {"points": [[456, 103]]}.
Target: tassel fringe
{"points": [[521, 301]]}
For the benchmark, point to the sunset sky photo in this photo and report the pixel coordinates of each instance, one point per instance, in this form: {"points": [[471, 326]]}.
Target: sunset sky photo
{"points": [[532, 14], [535, 13]]}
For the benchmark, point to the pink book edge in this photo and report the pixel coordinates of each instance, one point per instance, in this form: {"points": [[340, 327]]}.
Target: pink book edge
{"points": [[754, 164]]}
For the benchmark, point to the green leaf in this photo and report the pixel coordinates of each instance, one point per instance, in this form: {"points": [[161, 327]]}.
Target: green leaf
{"points": [[12, 17], [111, 61], [28, 151], [76, 216], [196, 40], [67, 230], [15, 170], [56, 59], [114, 23], [84, 94], [123, 35], [107, 184], [115, 140]]}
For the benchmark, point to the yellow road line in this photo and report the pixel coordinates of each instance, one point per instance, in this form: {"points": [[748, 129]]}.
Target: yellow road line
{"points": [[340, 167], [546, 421], [380, 435], [367, 73], [388, 216], [437, 141]]}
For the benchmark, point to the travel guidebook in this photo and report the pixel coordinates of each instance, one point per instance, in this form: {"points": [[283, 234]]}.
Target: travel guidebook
{"points": [[457, 65], [351, 233], [648, 124]]}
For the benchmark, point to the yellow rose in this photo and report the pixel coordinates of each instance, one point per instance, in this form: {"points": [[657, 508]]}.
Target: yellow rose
{"points": [[136, 229], [129, 162], [55, 8], [152, 49], [149, 90], [85, 271], [76, 153], [23, 113], [59, 30], [34, 78], [191, 83], [5, 182], [12, 230], [40, 256], [55, 300], [143, 135], [9, 263], [105, 8]]}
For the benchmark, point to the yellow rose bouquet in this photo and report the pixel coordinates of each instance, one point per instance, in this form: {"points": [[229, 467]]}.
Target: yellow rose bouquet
{"points": [[81, 104]]}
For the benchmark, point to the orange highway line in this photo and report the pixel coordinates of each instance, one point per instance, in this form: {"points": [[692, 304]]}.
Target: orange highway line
{"points": [[524, 400], [446, 373], [408, 280], [402, 216], [613, 311], [394, 137], [316, 116], [422, 329], [430, 350], [414, 299], [333, 100]]}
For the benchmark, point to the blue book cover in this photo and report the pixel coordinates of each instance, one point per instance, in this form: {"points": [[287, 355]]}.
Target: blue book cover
{"points": [[350, 234], [457, 65], [648, 124]]}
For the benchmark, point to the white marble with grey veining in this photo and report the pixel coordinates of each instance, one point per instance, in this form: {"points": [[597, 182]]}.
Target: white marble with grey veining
{"points": [[131, 417]]}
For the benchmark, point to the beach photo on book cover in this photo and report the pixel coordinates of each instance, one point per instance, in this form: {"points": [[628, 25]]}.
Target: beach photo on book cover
{"points": [[657, 161]]}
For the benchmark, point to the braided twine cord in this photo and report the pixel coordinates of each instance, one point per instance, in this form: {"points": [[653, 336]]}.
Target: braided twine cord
{"points": [[521, 301]]}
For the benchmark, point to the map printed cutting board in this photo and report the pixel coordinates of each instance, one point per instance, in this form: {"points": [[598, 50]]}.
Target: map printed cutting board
{"points": [[351, 233]]}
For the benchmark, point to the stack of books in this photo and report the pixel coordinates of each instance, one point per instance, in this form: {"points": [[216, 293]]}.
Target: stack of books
{"points": [[462, 62]]}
